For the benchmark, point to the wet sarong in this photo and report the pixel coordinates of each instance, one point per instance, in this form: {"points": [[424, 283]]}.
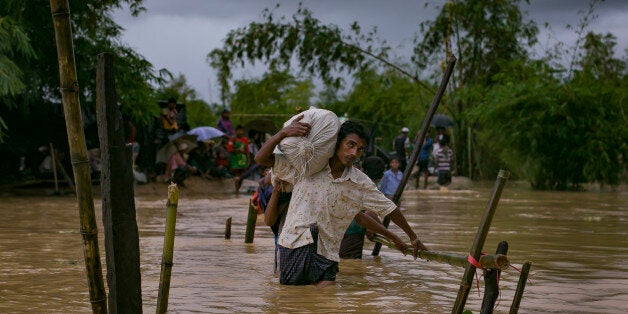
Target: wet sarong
{"points": [[303, 266]]}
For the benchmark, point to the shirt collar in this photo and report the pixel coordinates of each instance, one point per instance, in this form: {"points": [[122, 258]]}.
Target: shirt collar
{"points": [[350, 173]]}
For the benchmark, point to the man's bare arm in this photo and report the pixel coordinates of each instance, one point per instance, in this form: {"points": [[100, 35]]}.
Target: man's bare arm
{"points": [[397, 217]]}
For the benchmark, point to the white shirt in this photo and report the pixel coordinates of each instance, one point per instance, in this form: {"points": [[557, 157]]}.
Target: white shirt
{"points": [[329, 203]]}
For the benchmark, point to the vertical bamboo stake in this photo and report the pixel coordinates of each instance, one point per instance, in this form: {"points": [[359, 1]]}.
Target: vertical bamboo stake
{"points": [[228, 229], [60, 11], [478, 243], [53, 164], [59, 167], [419, 141], [251, 220], [491, 284], [523, 278], [166, 258]]}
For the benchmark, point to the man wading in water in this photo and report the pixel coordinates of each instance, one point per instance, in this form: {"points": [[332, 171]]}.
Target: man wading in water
{"points": [[324, 204]]}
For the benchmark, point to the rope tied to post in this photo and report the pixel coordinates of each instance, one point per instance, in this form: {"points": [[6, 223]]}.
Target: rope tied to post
{"points": [[476, 264]]}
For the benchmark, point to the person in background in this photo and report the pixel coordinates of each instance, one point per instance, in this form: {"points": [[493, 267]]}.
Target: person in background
{"points": [[177, 169], [444, 159], [392, 178], [225, 124], [222, 157], [169, 116], [400, 145], [239, 150], [424, 161]]}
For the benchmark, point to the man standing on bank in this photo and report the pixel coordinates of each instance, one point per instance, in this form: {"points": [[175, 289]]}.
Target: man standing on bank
{"points": [[323, 206]]}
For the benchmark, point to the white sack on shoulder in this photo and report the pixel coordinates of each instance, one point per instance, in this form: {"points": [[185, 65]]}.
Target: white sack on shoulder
{"points": [[309, 155]]}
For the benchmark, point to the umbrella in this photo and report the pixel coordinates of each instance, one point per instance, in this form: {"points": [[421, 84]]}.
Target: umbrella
{"points": [[205, 132], [261, 125], [163, 154], [441, 121]]}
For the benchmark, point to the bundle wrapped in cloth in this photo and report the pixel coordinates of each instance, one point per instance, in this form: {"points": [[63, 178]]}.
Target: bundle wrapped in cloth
{"points": [[309, 155]]}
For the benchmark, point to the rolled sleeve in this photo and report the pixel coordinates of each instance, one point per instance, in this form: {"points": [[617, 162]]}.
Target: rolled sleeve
{"points": [[376, 201]]}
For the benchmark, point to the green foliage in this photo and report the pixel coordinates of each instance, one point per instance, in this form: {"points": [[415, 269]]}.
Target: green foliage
{"points": [[94, 32], [390, 98], [276, 94], [198, 111], [556, 135], [14, 43], [320, 50]]}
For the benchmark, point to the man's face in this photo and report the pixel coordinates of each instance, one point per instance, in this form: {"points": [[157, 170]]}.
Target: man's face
{"points": [[226, 115], [394, 164], [172, 105], [350, 149], [239, 132]]}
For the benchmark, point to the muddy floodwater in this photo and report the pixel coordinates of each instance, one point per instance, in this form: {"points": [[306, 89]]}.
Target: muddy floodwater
{"points": [[577, 242]]}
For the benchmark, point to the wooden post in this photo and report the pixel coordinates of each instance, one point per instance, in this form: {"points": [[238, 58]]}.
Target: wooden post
{"points": [[521, 285], [469, 154], [60, 168], [168, 249], [122, 244], [419, 141], [228, 229], [478, 243], [53, 165], [60, 11], [251, 220], [491, 282]]}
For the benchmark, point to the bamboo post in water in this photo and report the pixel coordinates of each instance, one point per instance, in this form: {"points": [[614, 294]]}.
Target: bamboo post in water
{"points": [[228, 229], [497, 261], [59, 167], [122, 245], [53, 164], [251, 220], [60, 10], [419, 141], [491, 282], [478, 243], [523, 278], [166, 257]]}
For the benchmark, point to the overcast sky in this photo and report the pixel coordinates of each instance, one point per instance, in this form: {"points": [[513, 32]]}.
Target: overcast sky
{"points": [[178, 35]]}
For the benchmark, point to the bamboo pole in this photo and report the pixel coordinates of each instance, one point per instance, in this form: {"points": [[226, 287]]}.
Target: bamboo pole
{"points": [[228, 229], [523, 278], [419, 141], [478, 243], [53, 164], [497, 261], [251, 220], [167, 255], [60, 11]]}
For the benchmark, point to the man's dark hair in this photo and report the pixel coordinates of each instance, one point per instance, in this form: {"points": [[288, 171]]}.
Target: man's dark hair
{"points": [[351, 127], [239, 127], [172, 100], [374, 167]]}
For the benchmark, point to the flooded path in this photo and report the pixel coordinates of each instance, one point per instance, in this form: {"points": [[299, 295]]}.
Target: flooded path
{"points": [[578, 243]]}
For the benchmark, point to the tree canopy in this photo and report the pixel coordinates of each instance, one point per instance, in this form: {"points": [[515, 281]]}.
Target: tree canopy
{"points": [[510, 109]]}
